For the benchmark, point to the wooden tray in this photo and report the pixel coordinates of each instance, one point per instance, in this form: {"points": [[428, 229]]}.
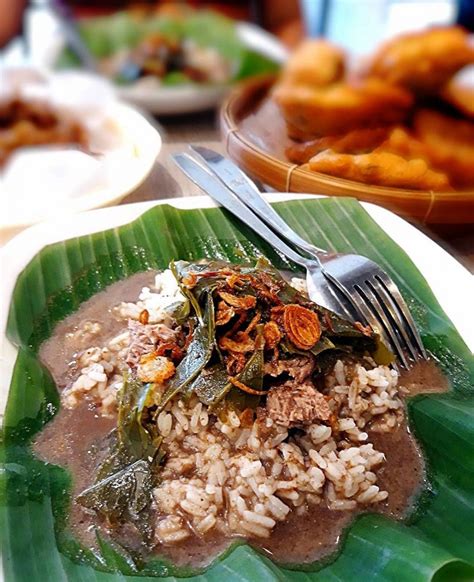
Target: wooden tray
{"points": [[255, 137]]}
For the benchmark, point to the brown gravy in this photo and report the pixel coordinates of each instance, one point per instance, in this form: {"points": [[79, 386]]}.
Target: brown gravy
{"points": [[75, 438]]}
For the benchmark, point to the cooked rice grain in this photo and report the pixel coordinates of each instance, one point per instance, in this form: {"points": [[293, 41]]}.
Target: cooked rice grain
{"points": [[240, 480], [243, 480]]}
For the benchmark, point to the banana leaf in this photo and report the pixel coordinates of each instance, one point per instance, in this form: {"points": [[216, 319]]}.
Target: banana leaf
{"points": [[435, 542]]}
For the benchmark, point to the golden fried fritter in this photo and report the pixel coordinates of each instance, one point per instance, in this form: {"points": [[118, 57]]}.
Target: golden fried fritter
{"points": [[422, 61], [357, 141], [315, 63], [460, 95], [380, 168], [364, 127], [449, 143], [313, 112], [402, 143]]}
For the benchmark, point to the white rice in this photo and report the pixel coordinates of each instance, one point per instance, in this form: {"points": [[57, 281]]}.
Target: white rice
{"points": [[100, 377], [248, 482], [241, 480], [156, 300], [299, 284]]}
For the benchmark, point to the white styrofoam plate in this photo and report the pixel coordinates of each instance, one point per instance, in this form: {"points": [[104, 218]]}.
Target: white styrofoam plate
{"points": [[451, 283]]}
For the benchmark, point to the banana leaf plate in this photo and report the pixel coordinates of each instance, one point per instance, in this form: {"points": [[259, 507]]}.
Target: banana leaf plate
{"points": [[43, 282]]}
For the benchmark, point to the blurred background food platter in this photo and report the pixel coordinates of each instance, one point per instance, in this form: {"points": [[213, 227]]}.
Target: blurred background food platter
{"points": [[395, 127], [169, 59], [255, 136], [263, 52], [66, 145]]}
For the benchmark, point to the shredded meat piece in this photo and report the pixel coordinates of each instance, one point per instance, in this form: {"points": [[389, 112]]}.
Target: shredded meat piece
{"points": [[264, 431], [294, 404], [145, 338], [299, 367]]}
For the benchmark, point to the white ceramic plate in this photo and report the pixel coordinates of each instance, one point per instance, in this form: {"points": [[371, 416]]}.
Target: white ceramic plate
{"points": [[436, 265], [142, 144]]}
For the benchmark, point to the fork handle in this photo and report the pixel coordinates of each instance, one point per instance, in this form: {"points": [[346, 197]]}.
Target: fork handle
{"points": [[208, 182], [247, 192], [255, 201]]}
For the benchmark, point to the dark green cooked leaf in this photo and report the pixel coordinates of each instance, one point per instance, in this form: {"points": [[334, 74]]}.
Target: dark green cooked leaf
{"points": [[251, 376], [213, 385], [197, 356], [124, 481], [125, 491]]}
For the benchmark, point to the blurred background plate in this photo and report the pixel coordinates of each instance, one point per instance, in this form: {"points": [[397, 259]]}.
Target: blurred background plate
{"points": [[158, 99], [255, 136], [181, 99], [141, 146], [174, 100]]}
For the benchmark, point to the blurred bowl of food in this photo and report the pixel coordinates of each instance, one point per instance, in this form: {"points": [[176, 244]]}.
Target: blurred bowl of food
{"points": [[173, 59], [66, 145], [396, 129]]}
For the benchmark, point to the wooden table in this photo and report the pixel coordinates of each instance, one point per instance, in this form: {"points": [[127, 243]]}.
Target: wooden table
{"points": [[166, 181]]}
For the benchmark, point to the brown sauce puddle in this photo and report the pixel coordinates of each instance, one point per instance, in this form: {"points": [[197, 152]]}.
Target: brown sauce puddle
{"points": [[74, 440]]}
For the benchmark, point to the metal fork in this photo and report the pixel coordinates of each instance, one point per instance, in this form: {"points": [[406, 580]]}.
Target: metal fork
{"points": [[318, 287], [356, 286], [372, 294]]}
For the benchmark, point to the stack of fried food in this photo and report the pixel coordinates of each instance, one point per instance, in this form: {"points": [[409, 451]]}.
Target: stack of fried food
{"points": [[27, 124], [400, 121]]}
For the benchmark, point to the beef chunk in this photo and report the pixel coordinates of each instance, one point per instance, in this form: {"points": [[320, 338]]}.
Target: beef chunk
{"points": [[293, 404], [145, 338], [299, 367]]}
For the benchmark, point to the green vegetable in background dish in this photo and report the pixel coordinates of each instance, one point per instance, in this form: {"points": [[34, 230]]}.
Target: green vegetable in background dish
{"points": [[151, 43]]}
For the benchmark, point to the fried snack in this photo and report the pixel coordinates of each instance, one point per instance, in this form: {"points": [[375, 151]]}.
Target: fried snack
{"points": [[315, 63], [382, 169], [29, 124], [422, 61], [313, 112], [357, 141], [402, 143], [449, 143], [26, 134], [460, 96]]}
